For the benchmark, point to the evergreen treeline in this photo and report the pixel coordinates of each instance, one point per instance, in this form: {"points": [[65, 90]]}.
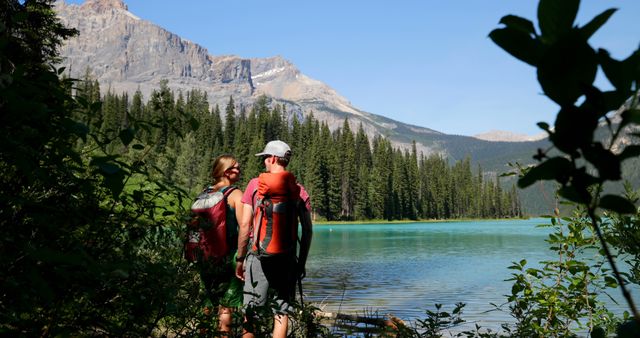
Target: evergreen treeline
{"points": [[349, 176]]}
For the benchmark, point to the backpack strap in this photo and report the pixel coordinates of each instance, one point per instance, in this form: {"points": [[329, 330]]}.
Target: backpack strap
{"points": [[228, 190]]}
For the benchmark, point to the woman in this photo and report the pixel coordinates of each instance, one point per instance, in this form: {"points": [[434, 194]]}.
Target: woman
{"points": [[220, 284]]}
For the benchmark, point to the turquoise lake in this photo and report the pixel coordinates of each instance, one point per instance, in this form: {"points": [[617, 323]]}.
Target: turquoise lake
{"points": [[403, 269]]}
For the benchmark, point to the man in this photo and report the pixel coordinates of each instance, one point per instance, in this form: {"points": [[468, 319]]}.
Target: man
{"points": [[272, 205]]}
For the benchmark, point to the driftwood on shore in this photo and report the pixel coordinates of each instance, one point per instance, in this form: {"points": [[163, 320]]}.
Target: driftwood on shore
{"points": [[367, 323]]}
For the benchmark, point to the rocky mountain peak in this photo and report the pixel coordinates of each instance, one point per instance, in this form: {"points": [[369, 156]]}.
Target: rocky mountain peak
{"points": [[126, 53], [100, 6]]}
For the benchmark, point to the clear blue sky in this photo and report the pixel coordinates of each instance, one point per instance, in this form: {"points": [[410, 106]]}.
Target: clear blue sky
{"points": [[428, 63]]}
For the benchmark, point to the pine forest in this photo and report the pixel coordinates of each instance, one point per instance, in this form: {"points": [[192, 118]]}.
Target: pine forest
{"points": [[348, 176]]}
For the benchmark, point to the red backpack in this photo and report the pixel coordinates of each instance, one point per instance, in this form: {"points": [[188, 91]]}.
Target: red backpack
{"points": [[275, 214], [207, 232]]}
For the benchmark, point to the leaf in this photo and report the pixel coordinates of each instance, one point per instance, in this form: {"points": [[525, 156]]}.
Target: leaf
{"points": [[137, 146], [617, 204], [613, 100], [566, 68], [517, 43], [556, 17], [570, 193], [597, 22], [544, 126], [126, 136], [573, 128], [109, 168], [520, 23], [548, 170], [115, 183], [77, 128], [604, 160], [610, 282], [598, 332], [629, 329], [619, 73]]}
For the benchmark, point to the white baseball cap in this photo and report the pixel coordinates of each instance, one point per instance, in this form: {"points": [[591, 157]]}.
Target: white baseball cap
{"points": [[276, 148]]}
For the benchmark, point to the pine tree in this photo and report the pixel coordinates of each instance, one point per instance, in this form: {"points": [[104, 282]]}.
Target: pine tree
{"points": [[229, 126], [137, 106], [162, 109], [363, 162], [348, 172]]}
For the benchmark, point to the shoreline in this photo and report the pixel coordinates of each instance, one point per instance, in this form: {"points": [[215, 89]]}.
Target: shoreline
{"points": [[449, 220]]}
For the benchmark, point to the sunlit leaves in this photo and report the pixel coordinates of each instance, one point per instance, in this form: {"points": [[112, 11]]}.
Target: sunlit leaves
{"points": [[548, 299]]}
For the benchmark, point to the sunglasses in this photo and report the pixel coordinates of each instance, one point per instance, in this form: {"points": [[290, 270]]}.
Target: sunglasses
{"points": [[234, 167]]}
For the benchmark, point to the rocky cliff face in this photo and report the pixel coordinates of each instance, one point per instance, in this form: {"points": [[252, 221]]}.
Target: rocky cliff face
{"points": [[126, 53]]}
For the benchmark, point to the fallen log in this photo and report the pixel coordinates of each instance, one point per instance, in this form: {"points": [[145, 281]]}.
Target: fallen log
{"points": [[386, 323]]}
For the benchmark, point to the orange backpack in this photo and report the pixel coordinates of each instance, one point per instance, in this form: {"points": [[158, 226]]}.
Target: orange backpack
{"points": [[275, 216]]}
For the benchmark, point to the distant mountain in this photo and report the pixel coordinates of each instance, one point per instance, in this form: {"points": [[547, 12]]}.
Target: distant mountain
{"points": [[125, 53], [507, 136]]}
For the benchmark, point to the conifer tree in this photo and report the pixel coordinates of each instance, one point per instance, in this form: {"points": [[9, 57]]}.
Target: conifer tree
{"points": [[188, 164], [137, 106], [229, 126], [363, 162], [348, 175], [216, 132], [161, 108], [300, 167], [334, 168]]}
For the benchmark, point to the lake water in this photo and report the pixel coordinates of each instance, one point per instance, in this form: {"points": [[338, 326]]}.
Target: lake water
{"points": [[403, 269]]}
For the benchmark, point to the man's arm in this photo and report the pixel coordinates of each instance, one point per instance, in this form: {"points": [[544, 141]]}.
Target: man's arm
{"points": [[243, 238], [305, 239]]}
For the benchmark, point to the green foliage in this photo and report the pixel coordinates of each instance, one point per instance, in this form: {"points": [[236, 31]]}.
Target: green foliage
{"points": [[623, 232], [581, 162], [91, 233], [438, 320], [560, 297]]}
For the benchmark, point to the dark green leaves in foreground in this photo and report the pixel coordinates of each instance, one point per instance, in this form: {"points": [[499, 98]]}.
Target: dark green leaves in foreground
{"points": [[566, 69]]}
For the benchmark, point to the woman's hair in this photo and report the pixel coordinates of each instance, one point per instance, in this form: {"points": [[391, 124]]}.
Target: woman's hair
{"points": [[220, 165]]}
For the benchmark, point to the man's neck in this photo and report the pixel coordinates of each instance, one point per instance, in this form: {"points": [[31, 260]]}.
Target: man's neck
{"points": [[275, 169]]}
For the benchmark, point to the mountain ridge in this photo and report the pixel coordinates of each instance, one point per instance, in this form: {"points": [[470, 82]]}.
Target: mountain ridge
{"points": [[126, 53], [507, 136]]}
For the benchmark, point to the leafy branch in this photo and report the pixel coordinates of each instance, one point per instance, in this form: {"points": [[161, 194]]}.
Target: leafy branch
{"points": [[566, 69]]}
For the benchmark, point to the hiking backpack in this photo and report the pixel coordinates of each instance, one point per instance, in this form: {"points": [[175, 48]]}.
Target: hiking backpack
{"points": [[275, 217], [207, 231]]}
